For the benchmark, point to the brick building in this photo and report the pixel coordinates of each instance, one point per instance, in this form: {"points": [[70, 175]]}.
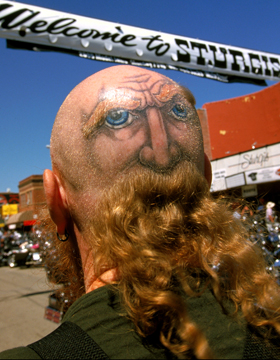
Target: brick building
{"points": [[31, 193], [31, 200]]}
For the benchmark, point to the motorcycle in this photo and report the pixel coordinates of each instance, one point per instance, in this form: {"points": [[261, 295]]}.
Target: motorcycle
{"points": [[19, 252], [34, 257], [268, 238], [11, 252]]}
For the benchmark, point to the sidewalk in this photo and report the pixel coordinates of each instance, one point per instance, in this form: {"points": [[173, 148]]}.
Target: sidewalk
{"points": [[23, 297]]}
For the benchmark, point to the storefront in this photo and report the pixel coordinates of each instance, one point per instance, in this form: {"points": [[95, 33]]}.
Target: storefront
{"points": [[21, 221], [251, 174]]}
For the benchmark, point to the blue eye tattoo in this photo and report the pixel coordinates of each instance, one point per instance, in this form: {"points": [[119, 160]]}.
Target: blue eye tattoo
{"points": [[180, 111], [117, 119]]}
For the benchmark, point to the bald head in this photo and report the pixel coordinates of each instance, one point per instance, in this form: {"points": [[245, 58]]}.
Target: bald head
{"points": [[121, 119], [112, 111]]}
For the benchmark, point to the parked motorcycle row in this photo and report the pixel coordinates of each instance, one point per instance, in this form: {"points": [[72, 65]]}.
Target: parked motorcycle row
{"points": [[32, 250], [20, 250], [268, 238]]}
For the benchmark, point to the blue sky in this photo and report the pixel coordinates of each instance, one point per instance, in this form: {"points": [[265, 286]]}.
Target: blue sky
{"points": [[33, 85]]}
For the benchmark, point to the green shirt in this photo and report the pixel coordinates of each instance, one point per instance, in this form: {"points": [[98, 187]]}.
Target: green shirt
{"points": [[98, 313]]}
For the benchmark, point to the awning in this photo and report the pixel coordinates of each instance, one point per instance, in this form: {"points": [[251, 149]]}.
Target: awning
{"points": [[20, 217], [29, 222]]}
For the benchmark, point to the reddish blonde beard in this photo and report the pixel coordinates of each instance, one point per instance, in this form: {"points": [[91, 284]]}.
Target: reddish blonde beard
{"points": [[144, 227], [147, 211], [158, 230]]}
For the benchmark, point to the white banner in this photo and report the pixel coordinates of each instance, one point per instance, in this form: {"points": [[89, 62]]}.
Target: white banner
{"points": [[36, 28]]}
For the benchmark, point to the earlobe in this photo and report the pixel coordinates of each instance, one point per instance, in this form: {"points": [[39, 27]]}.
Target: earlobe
{"points": [[56, 202], [207, 170]]}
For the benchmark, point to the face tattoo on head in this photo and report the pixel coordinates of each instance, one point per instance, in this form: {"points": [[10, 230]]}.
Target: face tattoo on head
{"points": [[118, 121], [149, 119]]}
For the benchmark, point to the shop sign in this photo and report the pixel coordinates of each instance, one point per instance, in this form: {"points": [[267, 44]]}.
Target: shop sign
{"points": [[251, 167], [249, 190], [235, 180], [263, 175], [10, 209], [9, 198]]}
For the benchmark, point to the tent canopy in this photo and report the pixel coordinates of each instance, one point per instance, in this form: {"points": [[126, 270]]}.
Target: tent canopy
{"points": [[20, 217]]}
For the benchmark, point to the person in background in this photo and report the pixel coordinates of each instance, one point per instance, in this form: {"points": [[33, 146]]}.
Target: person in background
{"points": [[269, 215], [269, 211]]}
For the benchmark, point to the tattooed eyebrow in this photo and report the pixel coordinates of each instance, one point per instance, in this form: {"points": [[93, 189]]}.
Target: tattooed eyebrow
{"points": [[104, 107], [167, 92], [125, 98]]}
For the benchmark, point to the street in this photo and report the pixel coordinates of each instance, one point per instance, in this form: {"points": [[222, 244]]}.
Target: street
{"points": [[23, 297]]}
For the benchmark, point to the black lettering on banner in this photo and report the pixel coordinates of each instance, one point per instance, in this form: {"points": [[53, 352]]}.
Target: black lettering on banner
{"points": [[38, 24], [61, 26], [4, 7], [275, 66], [53, 26], [200, 59], [127, 38], [21, 18], [95, 32], [235, 66], [8, 19], [219, 63], [185, 57], [267, 71], [106, 36], [150, 46], [70, 28], [85, 33], [255, 70]]}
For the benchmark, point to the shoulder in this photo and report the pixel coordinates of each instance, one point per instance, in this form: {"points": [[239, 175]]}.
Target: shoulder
{"points": [[19, 353]]}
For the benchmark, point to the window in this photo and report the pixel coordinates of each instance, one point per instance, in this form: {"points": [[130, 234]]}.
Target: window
{"points": [[29, 197], [23, 199]]}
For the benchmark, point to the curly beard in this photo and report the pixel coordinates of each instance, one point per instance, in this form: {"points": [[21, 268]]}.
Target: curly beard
{"points": [[160, 230], [149, 214], [148, 226]]}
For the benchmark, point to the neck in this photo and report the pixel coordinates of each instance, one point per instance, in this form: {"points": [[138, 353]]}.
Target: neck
{"points": [[91, 280]]}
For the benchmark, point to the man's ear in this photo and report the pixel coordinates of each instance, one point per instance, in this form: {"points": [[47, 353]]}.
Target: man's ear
{"points": [[56, 201], [207, 170]]}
